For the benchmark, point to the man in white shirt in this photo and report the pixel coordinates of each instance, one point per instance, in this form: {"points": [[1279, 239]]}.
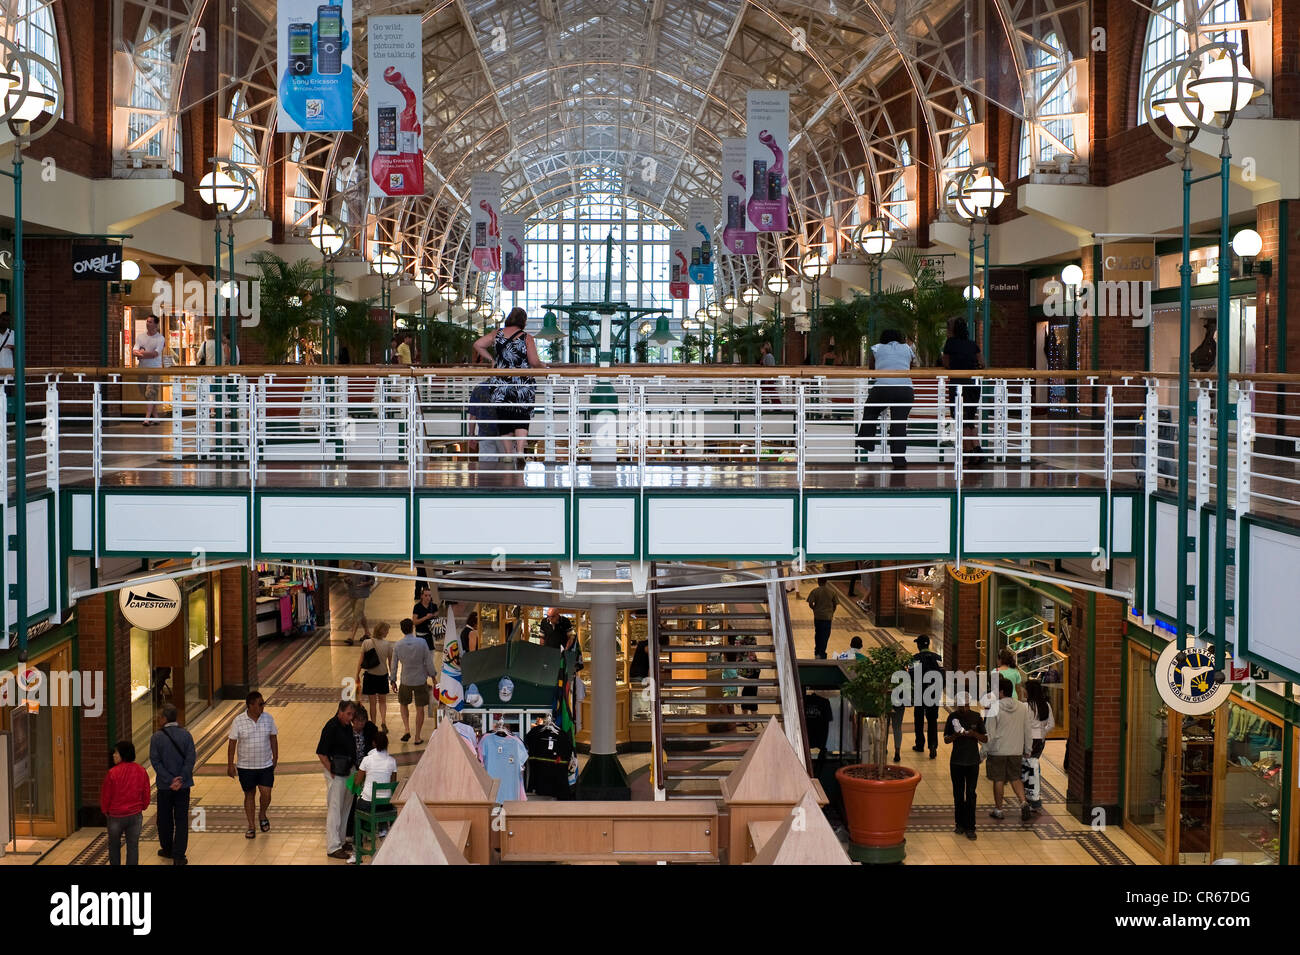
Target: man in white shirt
{"points": [[253, 752], [148, 353], [6, 340]]}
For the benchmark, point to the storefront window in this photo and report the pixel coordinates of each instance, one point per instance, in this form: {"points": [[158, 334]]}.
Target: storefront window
{"points": [[1031, 625], [197, 659], [1148, 749], [147, 690], [920, 600], [1251, 784]]}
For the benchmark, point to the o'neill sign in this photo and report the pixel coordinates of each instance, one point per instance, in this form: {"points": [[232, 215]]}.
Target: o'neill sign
{"points": [[100, 263], [152, 605]]}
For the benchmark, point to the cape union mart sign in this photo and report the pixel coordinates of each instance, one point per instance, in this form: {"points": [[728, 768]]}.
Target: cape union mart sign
{"points": [[150, 606]]}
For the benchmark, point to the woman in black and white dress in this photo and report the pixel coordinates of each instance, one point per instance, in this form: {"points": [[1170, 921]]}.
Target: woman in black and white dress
{"points": [[513, 395]]}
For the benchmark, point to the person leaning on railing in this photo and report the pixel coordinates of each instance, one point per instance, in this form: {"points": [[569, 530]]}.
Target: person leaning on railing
{"points": [[892, 354], [960, 353], [513, 395]]}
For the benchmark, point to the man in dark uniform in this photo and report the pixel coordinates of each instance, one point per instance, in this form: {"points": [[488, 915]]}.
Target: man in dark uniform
{"points": [[558, 633], [929, 662]]}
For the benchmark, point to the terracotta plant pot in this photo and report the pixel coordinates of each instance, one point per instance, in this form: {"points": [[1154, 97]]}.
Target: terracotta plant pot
{"points": [[877, 809]]}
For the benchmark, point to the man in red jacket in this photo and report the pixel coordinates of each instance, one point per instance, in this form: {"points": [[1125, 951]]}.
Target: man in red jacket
{"points": [[124, 797]]}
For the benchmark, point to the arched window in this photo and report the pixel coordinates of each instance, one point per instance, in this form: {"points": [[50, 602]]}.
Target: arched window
{"points": [[302, 195], [959, 154], [896, 199], [1051, 132], [860, 193], [149, 122], [34, 30], [241, 146], [1171, 33]]}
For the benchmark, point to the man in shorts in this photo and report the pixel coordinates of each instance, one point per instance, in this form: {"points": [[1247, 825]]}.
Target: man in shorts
{"points": [[148, 353], [1010, 739], [413, 665], [253, 752]]}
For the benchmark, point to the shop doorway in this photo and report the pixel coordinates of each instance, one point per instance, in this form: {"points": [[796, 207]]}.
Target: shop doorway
{"points": [[42, 794]]}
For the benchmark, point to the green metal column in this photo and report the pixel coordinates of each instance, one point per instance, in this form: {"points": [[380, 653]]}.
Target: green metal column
{"points": [[1184, 401], [1224, 409], [19, 541], [1283, 271], [234, 313], [970, 302], [988, 331], [218, 330]]}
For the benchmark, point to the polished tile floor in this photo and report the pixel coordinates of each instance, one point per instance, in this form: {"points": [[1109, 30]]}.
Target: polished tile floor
{"points": [[303, 699]]}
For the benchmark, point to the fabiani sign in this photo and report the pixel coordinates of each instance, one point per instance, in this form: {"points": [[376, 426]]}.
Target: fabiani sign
{"points": [[152, 605]]}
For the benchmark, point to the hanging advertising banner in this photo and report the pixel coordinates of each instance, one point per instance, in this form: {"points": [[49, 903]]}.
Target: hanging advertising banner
{"points": [[736, 238], [315, 65], [512, 259], [396, 106], [699, 229], [767, 119], [679, 251], [484, 221]]}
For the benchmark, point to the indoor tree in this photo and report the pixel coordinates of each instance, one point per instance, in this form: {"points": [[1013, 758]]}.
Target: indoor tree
{"points": [[288, 303]]}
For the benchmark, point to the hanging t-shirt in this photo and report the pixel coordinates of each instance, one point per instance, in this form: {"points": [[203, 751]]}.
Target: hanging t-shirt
{"points": [[549, 752], [450, 691], [467, 733], [504, 758]]}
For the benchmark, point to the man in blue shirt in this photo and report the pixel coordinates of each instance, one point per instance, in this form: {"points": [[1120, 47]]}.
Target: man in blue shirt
{"points": [[171, 751]]}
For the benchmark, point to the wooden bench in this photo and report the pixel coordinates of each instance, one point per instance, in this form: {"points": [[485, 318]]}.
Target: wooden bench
{"points": [[610, 831]]}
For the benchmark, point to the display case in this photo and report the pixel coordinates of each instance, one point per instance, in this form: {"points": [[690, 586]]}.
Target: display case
{"points": [[1250, 776], [919, 595], [1036, 628]]}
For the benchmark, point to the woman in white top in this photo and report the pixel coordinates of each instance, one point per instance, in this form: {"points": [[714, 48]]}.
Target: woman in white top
{"points": [[892, 354], [1040, 724]]}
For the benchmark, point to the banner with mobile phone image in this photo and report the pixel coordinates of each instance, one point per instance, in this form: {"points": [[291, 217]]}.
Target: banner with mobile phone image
{"points": [[699, 229], [737, 238], [767, 148], [396, 97], [314, 61], [485, 221], [679, 261], [512, 254]]}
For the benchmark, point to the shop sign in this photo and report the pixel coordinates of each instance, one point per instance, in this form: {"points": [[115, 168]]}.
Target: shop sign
{"points": [[1128, 262], [968, 575], [1008, 285], [97, 263], [150, 606], [1187, 680]]}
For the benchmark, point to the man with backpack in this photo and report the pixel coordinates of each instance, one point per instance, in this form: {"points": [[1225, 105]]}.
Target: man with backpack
{"points": [[171, 751], [926, 709]]}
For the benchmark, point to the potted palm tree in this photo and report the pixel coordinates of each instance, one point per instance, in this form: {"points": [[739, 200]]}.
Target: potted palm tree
{"points": [[877, 794]]}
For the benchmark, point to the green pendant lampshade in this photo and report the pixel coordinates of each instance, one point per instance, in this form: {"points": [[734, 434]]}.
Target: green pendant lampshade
{"points": [[663, 334], [550, 328]]}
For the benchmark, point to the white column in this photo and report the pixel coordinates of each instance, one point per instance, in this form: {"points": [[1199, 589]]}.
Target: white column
{"points": [[604, 649]]}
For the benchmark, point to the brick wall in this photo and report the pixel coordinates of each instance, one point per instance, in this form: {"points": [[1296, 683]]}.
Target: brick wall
{"points": [[884, 597], [961, 624], [1094, 768], [238, 595], [94, 616], [63, 316]]}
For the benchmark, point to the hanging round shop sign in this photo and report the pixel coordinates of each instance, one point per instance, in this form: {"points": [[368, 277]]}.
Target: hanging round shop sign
{"points": [[1188, 681], [968, 574], [150, 606]]}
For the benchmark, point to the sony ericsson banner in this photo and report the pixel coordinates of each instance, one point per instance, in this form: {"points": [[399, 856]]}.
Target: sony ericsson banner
{"points": [[700, 216], [315, 65], [736, 237], [512, 260], [484, 222], [679, 251], [767, 118], [396, 106]]}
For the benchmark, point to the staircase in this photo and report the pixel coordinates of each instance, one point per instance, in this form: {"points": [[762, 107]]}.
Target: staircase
{"points": [[702, 640]]}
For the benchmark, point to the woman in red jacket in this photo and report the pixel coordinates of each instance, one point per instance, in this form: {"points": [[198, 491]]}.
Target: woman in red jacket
{"points": [[124, 797]]}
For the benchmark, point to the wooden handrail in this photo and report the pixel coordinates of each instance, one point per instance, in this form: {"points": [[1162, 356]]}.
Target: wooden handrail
{"points": [[801, 372]]}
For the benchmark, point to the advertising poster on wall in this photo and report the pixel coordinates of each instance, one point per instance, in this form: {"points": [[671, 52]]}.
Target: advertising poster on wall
{"points": [[315, 65], [485, 221], [737, 238], [396, 106], [699, 222], [679, 251], [512, 258], [767, 119]]}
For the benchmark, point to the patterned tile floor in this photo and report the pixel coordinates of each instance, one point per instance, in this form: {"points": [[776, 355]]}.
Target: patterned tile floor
{"points": [[301, 698]]}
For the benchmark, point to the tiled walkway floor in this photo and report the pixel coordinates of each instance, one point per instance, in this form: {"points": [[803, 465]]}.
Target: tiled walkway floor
{"points": [[1052, 838], [303, 699]]}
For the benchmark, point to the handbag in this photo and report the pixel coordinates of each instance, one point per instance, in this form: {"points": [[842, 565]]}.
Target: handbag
{"points": [[341, 765], [369, 659]]}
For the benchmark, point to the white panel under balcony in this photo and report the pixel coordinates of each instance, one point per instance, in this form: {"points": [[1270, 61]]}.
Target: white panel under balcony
{"points": [[865, 527], [179, 523], [1268, 572], [82, 527], [1032, 525], [607, 526], [1122, 524], [333, 525], [458, 526], [40, 558], [735, 527], [1162, 557]]}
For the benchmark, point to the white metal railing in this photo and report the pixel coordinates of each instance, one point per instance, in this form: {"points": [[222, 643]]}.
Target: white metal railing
{"points": [[419, 430]]}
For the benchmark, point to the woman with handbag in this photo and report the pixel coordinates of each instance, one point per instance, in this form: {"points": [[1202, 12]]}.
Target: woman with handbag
{"points": [[373, 673], [1041, 722]]}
